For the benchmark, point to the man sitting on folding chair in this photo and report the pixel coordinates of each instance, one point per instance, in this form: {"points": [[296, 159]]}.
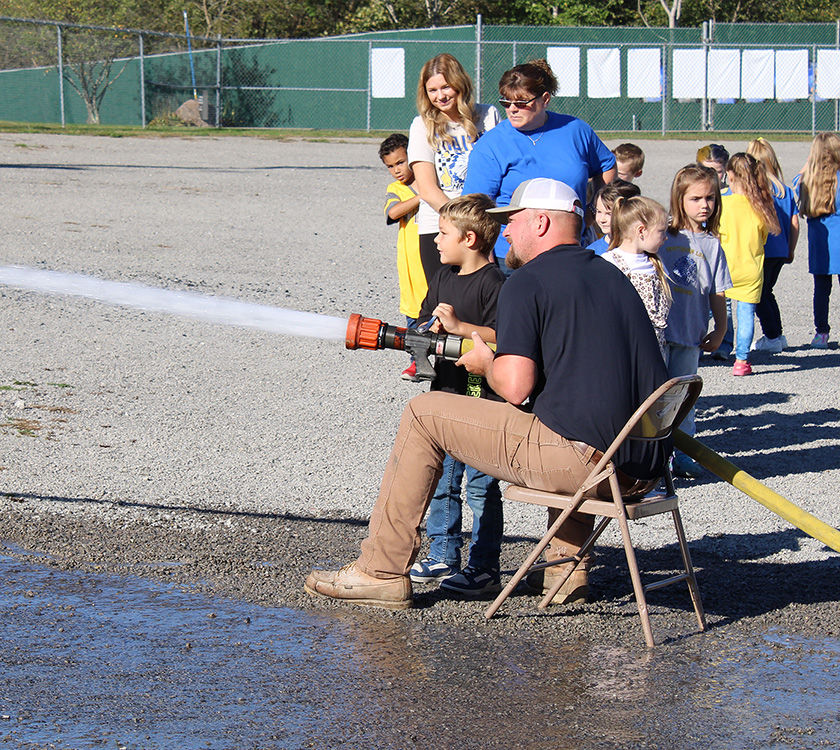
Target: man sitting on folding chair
{"points": [[574, 345]]}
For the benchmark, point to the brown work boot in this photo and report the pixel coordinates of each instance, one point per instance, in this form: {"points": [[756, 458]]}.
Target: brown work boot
{"points": [[574, 589], [352, 585]]}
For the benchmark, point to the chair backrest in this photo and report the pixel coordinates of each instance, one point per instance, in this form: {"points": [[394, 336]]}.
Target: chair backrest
{"points": [[666, 408], [660, 412]]}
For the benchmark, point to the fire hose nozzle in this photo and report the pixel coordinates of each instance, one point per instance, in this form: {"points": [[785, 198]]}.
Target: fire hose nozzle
{"points": [[363, 333], [370, 333]]}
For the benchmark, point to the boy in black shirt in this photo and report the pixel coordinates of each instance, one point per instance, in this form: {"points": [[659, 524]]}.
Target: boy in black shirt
{"points": [[461, 299]]}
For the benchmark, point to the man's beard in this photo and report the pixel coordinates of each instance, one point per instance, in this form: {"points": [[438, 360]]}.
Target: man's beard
{"points": [[512, 260]]}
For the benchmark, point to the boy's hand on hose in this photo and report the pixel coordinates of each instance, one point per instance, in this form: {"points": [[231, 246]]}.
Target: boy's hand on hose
{"points": [[445, 314]]}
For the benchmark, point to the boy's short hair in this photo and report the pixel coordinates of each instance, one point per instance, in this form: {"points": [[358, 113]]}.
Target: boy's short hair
{"points": [[392, 143], [609, 194], [468, 213], [631, 155]]}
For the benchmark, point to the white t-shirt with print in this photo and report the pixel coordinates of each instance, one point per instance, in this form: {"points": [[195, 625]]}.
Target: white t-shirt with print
{"points": [[450, 159]]}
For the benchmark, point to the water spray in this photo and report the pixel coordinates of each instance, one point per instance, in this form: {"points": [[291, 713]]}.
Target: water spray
{"points": [[369, 333], [184, 304]]}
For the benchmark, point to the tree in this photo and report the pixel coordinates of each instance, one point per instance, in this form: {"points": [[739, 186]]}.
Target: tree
{"points": [[90, 58]]}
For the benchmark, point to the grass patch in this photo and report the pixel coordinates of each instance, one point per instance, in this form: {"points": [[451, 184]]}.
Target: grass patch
{"points": [[164, 129], [28, 427]]}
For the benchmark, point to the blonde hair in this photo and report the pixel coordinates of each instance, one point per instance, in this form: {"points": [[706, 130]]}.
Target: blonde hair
{"points": [[690, 175], [468, 213], [818, 188], [752, 179], [436, 121], [626, 214], [761, 150], [631, 155]]}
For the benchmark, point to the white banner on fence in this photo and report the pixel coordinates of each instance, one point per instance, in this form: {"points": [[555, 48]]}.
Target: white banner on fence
{"points": [[792, 74], [603, 73], [387, 73], [724, 74], [644, 73], [758, 74], [688, 77], [565, 62], [828, 73]]}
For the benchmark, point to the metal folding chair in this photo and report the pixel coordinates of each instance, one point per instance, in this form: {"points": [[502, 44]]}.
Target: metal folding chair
{"points": [[654, 420]]}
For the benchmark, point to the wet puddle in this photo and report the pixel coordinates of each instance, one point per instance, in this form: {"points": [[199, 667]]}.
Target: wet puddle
{"points": [[96, 661]]}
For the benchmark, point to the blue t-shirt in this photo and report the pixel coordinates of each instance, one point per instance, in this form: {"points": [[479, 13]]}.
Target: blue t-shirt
{"points": [[823, 237], [599, 247], [778, 245], [565, 149]]}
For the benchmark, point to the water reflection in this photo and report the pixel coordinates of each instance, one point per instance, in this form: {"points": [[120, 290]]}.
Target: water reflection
{"points": [[93, 661]]}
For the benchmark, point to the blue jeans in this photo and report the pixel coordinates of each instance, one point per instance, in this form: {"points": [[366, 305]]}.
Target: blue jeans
{"points": [[683, 360], [822, 292], [443, 524], [745, 312]]}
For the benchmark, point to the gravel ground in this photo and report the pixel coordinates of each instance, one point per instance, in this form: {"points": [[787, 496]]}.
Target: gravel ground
{"points": [[233, 461]]}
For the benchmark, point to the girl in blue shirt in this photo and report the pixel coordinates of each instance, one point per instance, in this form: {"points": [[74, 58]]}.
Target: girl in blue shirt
{"points": [[817, 188], [778, 250]]}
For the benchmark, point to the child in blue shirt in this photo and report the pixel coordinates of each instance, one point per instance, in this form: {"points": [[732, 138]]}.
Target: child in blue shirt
{"points": [[604, 201]]}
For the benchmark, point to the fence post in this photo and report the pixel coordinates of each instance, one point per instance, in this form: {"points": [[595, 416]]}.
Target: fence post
{"points": [[664, 79], [813, 93], [369, 82], [142, 83], [219, 81], [478, 30], [60, 75]]}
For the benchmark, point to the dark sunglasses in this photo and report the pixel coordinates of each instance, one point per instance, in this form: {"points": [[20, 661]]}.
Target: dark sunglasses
{"points": [[507, 103]]}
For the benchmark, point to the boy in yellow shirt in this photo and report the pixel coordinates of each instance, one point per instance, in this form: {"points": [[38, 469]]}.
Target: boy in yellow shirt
{"points": [[401, 202]]}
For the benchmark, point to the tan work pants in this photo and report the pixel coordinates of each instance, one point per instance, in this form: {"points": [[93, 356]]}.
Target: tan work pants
{"points": [[495, 438]]}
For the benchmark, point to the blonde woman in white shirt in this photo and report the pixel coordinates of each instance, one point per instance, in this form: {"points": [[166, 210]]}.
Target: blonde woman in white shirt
{"points": [[439, 143]]}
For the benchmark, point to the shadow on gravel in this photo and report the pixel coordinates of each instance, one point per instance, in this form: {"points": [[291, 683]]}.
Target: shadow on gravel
{"points": [[144, 167], [736, 580], [769, 443], [226, 512], [814, 359]]}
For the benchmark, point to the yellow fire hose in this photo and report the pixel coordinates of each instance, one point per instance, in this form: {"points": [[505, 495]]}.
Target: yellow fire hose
{"points": [[757, 491]]}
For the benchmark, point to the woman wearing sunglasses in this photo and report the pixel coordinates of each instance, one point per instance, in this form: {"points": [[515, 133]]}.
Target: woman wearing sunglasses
{"points": [[535, 142], [440, 140]]}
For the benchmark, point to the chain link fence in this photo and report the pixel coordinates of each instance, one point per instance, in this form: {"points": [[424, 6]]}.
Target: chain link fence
{"points": [[724, 77]]}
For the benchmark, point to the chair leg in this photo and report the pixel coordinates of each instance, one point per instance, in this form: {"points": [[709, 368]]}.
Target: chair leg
{"points": [[638, 588], [535, 553], [583, 552], [693, 589], [521, 572]]}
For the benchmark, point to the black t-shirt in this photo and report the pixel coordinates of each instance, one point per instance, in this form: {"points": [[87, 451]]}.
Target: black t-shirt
{"points": [[474, 297], [580, 319]]}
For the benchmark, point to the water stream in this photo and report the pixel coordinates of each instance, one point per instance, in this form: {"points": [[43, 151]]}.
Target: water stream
{"points": [[185, 304]]}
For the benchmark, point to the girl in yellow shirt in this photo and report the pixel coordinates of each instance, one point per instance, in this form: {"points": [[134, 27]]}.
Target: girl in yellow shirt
{"points": [[747, 216]]}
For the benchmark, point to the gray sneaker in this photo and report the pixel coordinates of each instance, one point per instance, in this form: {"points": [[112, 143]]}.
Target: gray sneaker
{"points": [[431, 570], [771, 346], [474, 581]]}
